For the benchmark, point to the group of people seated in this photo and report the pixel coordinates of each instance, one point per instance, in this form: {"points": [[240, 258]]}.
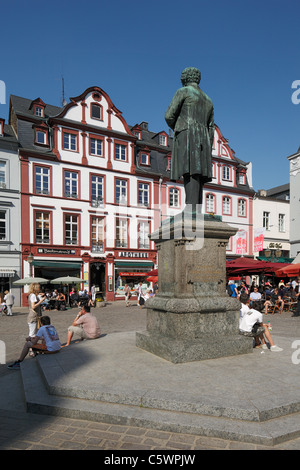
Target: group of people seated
{"points": [[58, 300], [46, 340], [266, 295]]}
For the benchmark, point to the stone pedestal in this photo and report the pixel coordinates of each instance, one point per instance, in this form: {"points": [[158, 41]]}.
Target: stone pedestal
{"points": [[192, 318]]}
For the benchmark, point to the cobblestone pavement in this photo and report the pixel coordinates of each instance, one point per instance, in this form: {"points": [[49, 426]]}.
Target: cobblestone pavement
{"points": [[24, 431]]}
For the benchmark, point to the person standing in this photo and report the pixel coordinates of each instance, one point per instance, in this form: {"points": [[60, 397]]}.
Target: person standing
{"points": [[127, 295], [34, 308], [297, 289], [9, 299]]}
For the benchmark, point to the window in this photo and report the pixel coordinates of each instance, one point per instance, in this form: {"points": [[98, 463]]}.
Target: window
{"points": [[163, 140], [143, 235], [121, 233], [242, 208], [121, 191], [145, 159], [266, 220], [96, 147], [42, 227], [143, 194], [40, 137], [97, 234], [226, 205], [2, 175], [39, 111], [97, 188], [71, 229], [3, 224], [210, 203], [120, 152], [281, 222], [226, 172], [241, 178], [96, 111], [174, 197], [41, 180], [70, 184], [70, 141]]}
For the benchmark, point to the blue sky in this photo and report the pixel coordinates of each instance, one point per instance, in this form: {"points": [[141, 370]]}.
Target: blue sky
{"points": [[247, 51]]}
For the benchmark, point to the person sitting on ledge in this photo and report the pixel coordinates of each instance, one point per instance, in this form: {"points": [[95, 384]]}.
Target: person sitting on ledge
{"points": [[251, 324], [50, 344], [85, 325]]}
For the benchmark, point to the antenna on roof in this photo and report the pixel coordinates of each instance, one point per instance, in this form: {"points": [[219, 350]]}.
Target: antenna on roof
{"points": [[63, 101]]}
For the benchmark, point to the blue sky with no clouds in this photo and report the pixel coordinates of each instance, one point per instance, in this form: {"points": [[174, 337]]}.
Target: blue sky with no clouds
{"points": [[247, 51]]}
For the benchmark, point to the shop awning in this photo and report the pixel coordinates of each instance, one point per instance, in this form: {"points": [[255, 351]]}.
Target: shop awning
{"points": [[7, 272], [132, 264], [56, 264]]}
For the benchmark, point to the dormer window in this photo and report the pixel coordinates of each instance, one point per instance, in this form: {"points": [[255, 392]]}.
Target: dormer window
{"points": [[41, 135], [145, 158], [242, 178], [163, 140], [38, 107], [38, 111]]}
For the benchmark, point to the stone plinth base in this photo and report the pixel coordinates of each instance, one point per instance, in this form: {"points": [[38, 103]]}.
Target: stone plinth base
{"points": [[192, 318]]}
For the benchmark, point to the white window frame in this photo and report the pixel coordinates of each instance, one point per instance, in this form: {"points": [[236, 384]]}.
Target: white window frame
{"points": [[72, 179], [5, 221], [120, 152], [44, 174], [98, 147], [226, 205], [97, 234], [143, 239], [3, 174], [266, 220], [210, 203], [121, 232], [242, 208], [226, 173], [97, 189], [121, 188], [73, 224], [43, 238], [70, 141], [173, 197], [143, 190], [281, 222]]}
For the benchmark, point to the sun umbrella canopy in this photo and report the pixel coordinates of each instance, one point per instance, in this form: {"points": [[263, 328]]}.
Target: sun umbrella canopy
{"points": [[291, 270], [30, 280], [154, 272], [67, 280]]}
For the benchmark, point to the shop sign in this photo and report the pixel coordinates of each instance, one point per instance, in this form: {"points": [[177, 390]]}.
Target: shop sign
{"points": [[132, 254], [54, 251], [132, 274]]}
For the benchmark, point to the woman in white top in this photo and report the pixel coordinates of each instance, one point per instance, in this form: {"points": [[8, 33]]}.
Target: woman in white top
{"points": [[34, 307]]}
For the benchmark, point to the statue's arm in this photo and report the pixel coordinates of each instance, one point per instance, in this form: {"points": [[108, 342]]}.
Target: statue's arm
{"points": [[173, 111]]}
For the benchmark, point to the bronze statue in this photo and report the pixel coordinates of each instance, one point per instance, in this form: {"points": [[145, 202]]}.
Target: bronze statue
{"points": [[191, 117]]}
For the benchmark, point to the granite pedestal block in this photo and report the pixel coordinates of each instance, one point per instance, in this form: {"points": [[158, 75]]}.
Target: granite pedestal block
{"points": [[192, 318]]}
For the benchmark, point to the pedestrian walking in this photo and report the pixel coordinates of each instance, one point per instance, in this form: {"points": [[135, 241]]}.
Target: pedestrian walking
{"points": [[9, 299]]}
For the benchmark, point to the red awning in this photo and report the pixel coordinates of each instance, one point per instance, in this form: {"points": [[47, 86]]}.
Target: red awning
{"points": [[290, 270]]}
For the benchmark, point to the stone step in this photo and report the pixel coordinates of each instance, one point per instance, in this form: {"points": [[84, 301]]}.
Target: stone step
{"points": [[38, 400]]}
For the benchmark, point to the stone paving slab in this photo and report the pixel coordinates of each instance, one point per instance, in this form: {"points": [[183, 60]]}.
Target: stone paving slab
{"points": [[22, 430], [110, 379]]}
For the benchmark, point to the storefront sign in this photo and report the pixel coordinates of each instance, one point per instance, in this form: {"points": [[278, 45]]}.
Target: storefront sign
{"points": [[54, 251], [132, 254], [136, 274]]}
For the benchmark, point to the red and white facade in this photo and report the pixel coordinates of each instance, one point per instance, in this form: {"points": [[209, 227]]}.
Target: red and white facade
{"points": [[88, 207]]}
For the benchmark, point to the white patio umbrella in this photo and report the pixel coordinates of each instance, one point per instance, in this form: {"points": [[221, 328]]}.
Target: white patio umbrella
{"points": [[67, 280], [30, 280]]}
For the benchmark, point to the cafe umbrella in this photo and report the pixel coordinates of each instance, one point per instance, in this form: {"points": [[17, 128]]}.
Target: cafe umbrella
{"points": [[30, 280], [67, 280]]}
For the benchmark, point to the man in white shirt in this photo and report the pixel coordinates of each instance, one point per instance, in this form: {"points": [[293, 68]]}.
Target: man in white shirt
{"points": [[254, 296], [251, 324]]}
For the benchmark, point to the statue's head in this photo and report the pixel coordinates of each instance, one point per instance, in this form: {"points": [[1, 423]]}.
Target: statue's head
{"points": [[190, 75]]}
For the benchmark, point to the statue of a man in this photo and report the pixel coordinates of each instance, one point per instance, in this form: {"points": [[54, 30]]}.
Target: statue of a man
{"points": [[191, 117]]}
